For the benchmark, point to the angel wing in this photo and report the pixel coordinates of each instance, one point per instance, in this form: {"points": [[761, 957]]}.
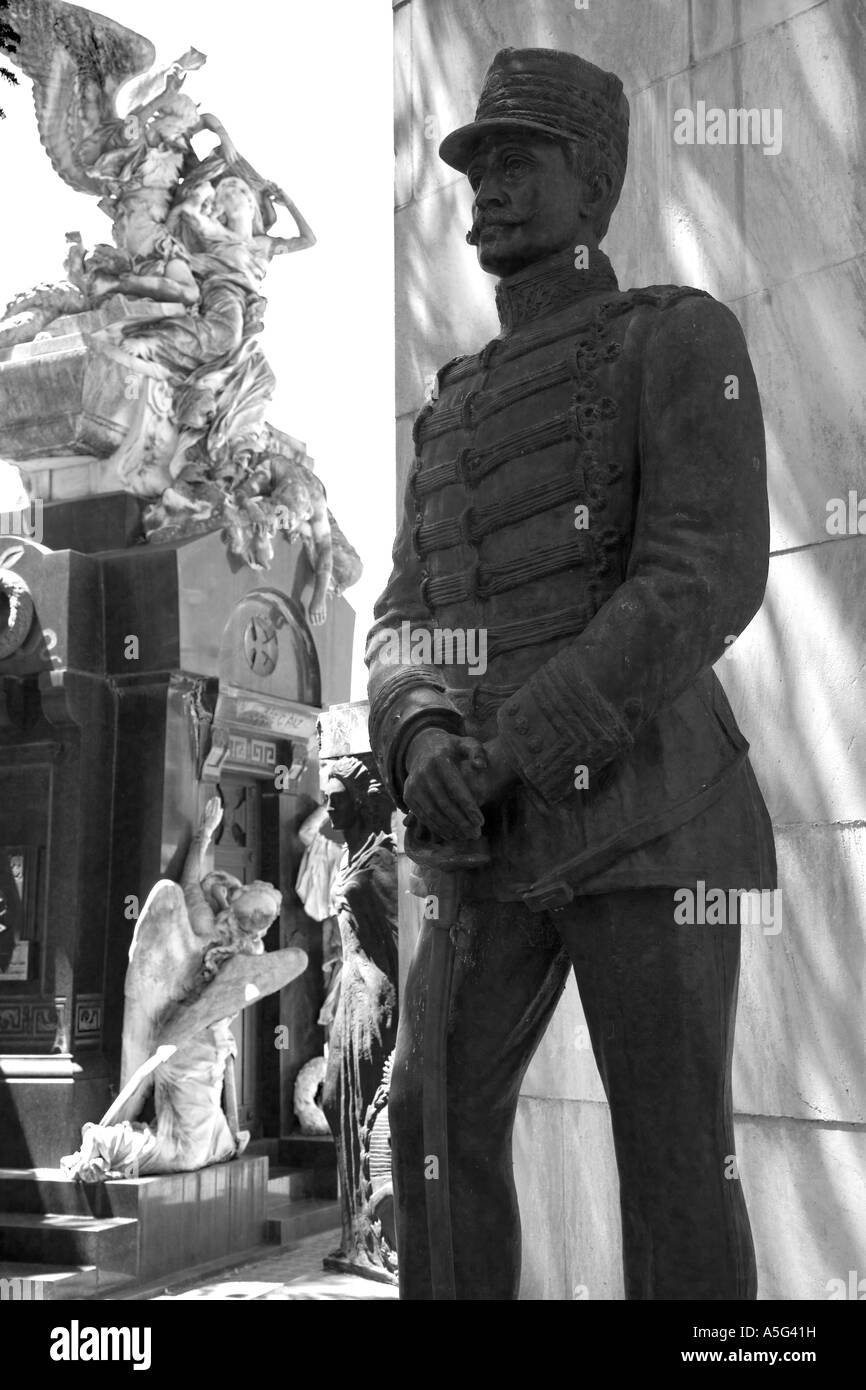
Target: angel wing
{"points": [[141, 89], [164, 959], [241, 981], [77, 60]]}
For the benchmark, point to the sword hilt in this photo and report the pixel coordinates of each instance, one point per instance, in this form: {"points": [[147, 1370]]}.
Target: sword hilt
{"points": [[449, 856]]}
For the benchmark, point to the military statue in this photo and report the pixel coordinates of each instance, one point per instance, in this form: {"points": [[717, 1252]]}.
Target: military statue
{"points": [[589, 495]]}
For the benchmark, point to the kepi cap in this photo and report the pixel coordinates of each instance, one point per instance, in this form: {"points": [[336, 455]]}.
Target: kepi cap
{"points": [[550, 91]]}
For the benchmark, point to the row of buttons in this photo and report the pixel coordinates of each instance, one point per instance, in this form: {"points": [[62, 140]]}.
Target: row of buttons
{"points": [[521, 724]]}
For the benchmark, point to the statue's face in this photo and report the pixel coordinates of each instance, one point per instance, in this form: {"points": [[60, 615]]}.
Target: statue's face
{"points": [[339, 804], [235, 205], [220, 888], [255, 907], [527, 202], [202, 197], [173, 130]]}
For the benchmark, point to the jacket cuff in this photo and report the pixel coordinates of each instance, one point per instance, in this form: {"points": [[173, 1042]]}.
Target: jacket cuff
{"points": [[554, 725], [408, 702]]}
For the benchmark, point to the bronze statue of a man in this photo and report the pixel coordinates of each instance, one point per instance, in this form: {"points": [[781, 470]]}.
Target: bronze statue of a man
{"points": [[589, 496]]}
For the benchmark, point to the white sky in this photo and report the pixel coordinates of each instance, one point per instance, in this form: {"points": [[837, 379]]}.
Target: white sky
{"points": [[305, 91]]}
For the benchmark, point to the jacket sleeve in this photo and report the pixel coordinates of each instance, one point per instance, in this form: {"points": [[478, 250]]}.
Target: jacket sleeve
{"points": [[697, 567], [405, 694]]}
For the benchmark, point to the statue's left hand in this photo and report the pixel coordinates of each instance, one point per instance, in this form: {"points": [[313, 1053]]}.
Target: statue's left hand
{"points": [[273, 191]]}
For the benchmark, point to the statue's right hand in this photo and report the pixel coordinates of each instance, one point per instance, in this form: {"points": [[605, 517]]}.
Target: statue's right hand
{"points": [[436, 788], [212, 815], [228, 149]]}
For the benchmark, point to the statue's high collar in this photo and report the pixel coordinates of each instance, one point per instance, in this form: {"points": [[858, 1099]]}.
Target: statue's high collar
{"points": [[550, 285]]}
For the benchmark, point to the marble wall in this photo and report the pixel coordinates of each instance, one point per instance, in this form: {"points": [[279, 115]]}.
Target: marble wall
{"points": [[780, 238]]}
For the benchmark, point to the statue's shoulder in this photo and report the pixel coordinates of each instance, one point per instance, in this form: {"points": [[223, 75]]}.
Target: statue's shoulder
{"points": [[666, 313], [661, 299], [382, 852], [663, 296], [654, 298], [455, 369]]}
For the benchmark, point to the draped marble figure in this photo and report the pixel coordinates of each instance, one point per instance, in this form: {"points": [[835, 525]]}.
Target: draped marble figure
{"points": [[172, 306]]}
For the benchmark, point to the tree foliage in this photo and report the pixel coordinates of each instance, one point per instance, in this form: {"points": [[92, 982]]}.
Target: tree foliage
{"points": [[8, 44]]}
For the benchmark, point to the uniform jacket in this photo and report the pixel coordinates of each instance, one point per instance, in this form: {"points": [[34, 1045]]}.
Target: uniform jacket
{"points": [[589, 494]]}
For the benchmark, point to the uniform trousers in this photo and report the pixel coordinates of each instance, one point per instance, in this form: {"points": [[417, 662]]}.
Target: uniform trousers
{"points": [[660, 1004]]}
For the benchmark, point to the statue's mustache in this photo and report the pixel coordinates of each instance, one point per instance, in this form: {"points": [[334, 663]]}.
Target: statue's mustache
{"points": [[490, 219]]}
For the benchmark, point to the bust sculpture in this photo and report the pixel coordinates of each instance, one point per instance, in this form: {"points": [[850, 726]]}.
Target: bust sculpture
{"points": [[588, 495]]}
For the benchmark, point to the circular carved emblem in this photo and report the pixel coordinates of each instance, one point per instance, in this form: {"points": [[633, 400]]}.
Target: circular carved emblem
{"points": [[261, 647]]}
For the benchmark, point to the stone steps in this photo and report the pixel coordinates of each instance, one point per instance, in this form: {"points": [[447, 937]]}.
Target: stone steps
{"points": [[73, 1240], [291, 1181], [307, 1151], [302, 1189], [49, 1190], [22, 1281], [291, 1221], [111, 1243], [136, 1228]]}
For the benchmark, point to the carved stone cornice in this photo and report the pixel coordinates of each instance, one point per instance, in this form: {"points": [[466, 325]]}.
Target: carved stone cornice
{"points": [[72, 697]]}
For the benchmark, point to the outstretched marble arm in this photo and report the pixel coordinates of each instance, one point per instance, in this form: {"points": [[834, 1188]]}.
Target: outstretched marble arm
{"points": [[283, 245], [201, 914], [208, 121]]}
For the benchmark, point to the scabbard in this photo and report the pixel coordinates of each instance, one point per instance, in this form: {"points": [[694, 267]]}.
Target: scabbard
{"points": [[434, 1109]]}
